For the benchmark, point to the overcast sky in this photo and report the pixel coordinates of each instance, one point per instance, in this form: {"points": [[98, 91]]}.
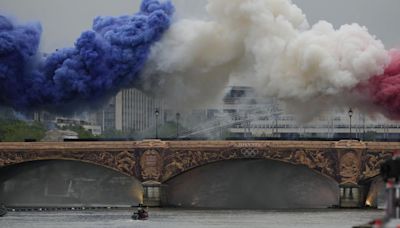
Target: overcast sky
{"points": [[64, 20]]}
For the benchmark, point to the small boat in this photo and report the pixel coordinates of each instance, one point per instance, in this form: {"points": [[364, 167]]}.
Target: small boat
{"points": [[140, 215]]}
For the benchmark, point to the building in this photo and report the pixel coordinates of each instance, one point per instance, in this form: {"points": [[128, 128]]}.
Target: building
{"points": [[52, 121], [63, 122], [250, 117], [131, 111]]}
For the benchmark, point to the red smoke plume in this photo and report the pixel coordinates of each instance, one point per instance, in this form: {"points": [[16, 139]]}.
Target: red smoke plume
{"points": [[385, 89]]}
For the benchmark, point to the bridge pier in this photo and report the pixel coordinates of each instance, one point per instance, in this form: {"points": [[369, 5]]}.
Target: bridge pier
{"points": [[351, 196], [154, 194]]}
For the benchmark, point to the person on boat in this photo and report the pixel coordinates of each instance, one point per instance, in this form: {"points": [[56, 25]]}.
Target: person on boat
{"points": [[142, 213]]}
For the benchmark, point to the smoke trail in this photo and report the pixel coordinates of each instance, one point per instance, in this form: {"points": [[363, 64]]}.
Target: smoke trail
{"points": [[384, 89], [267, 44], [104, 60], [18, 45]]}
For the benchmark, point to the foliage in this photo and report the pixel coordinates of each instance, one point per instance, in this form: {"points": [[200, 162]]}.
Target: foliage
{"points": [[114, 134], [19, 131]]}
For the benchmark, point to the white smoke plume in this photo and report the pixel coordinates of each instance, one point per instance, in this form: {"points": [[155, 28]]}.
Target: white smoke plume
{"points": [[267, 44]]}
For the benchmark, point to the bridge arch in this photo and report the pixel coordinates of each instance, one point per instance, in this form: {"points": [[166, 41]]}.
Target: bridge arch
{"points": [[188, 169], [317, 160], [122, 161], [252, 184], [67, 183], [71, 160]]}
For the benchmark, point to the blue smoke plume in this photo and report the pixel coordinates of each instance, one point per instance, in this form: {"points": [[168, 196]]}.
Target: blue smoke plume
{"points": [[104, 60]]}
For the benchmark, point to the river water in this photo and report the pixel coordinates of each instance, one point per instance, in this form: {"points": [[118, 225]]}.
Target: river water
{"points": [[170, 218]]}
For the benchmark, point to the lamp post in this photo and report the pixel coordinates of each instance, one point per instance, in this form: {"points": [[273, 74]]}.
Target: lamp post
{"points": [[178, 116], [350, 115], [157, 113], [364, 127]]}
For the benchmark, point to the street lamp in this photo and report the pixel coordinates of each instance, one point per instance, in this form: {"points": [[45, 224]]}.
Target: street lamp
{"points": [[350, 115], [363, 127], [178, 116], [157, 112]]}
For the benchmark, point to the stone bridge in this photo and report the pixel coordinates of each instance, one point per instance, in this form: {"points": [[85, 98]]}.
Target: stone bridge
{"points": [[347, 162]]}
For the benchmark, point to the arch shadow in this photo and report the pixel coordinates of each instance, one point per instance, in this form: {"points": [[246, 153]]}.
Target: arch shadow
{"points": [[188, 169], [67, 183], [252, 184]]}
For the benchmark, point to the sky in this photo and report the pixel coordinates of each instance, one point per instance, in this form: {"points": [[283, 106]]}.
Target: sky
{"points": [[64, 20]]}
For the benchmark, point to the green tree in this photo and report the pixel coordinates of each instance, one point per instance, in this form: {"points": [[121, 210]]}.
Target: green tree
{"points": [[19, 131], [113, 134]]}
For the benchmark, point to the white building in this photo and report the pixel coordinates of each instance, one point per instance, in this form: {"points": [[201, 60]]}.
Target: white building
{"points": [[131, 111], [88, 126]]}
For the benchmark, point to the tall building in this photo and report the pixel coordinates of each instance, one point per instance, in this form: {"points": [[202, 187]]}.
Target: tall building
{"points": [[131, 111]]}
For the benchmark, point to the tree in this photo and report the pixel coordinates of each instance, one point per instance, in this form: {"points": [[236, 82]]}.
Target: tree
{"points": [[19, 131], [113, 134]]}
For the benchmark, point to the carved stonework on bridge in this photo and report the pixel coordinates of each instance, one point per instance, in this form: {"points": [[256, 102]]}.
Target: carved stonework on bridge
{"points": [[372, 162], [155, 160], [178, 161], [151, 163], [123, 161], [349, 167], [321, 161]]}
